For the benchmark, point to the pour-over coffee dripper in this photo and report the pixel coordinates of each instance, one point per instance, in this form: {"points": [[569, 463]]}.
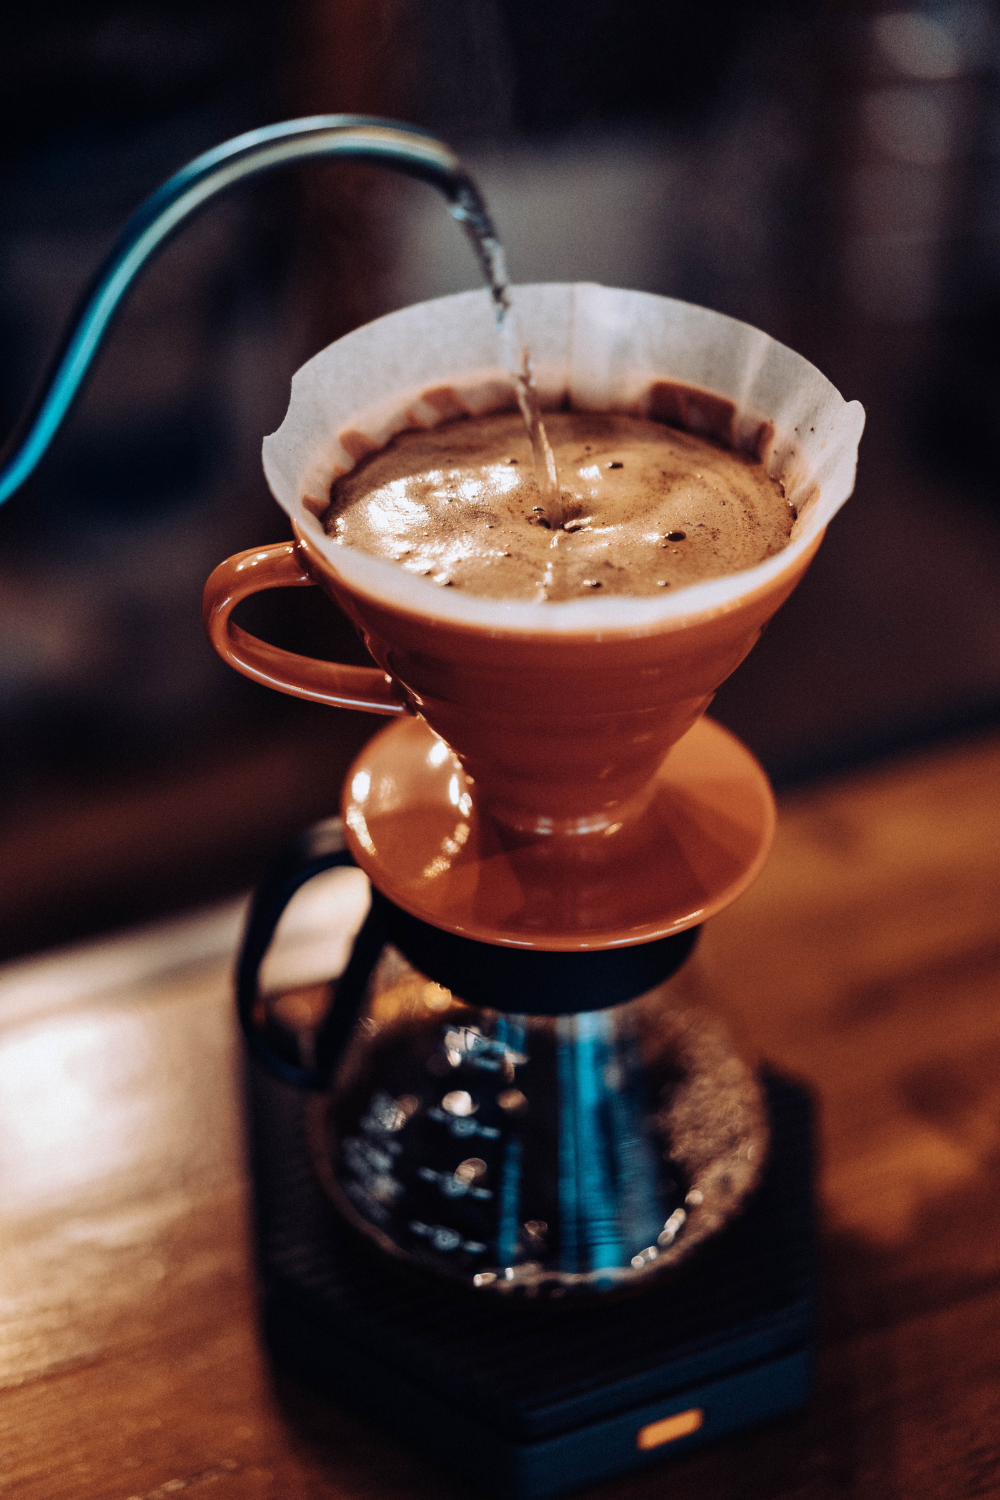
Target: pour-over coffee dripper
{"points": [[524, 1091]]}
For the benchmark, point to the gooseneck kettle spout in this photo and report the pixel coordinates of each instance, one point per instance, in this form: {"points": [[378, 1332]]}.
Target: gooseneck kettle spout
{"points": [[404, 148]]}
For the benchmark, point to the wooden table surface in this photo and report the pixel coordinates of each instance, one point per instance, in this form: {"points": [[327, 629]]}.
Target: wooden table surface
{"points": [[866, 961]]}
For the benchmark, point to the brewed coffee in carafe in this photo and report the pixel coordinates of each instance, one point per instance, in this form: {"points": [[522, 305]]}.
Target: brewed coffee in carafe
{"points": [[552, 1154]]}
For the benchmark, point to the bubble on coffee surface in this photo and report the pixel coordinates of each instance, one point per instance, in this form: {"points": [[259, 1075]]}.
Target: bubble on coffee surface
{"points": [[645, 507]]}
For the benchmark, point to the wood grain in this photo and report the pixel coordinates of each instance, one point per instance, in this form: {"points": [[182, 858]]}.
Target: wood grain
{"points": [[866, 960]]}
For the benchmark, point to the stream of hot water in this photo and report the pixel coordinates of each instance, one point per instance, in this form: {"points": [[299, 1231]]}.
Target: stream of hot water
{"points": [[468, 208]]}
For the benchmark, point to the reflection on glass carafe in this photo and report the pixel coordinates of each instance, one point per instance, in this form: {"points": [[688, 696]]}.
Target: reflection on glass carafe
{"points": [[559, 1154], [570, 1153]]}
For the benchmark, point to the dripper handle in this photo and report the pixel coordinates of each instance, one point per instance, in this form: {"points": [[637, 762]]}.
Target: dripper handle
{"points": [[319, 848], [281, 566]]}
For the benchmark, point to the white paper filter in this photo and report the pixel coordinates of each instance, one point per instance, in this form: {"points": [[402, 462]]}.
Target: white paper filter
{"points": [[602, 349]]}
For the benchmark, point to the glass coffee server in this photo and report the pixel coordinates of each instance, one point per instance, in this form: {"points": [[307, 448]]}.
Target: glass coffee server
{"points": [[525, 1122]]}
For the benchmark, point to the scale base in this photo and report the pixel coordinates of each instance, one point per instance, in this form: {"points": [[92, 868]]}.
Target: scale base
{"points": [[530, 1401]]}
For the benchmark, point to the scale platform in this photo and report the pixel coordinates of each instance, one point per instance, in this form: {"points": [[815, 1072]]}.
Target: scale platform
{"points": [[530, 1400]]}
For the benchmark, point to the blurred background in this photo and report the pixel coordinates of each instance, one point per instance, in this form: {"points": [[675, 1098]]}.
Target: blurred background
{"points": [[827, 171]]}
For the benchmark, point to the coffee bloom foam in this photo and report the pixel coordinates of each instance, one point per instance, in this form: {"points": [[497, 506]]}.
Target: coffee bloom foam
{"points": [[594, 349]]}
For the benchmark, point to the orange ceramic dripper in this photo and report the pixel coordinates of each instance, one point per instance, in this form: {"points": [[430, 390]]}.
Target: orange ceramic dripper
{"points": [[544, 765]]}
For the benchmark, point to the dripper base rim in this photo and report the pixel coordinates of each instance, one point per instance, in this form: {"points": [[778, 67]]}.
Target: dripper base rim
{"points": [[702, 841]]}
